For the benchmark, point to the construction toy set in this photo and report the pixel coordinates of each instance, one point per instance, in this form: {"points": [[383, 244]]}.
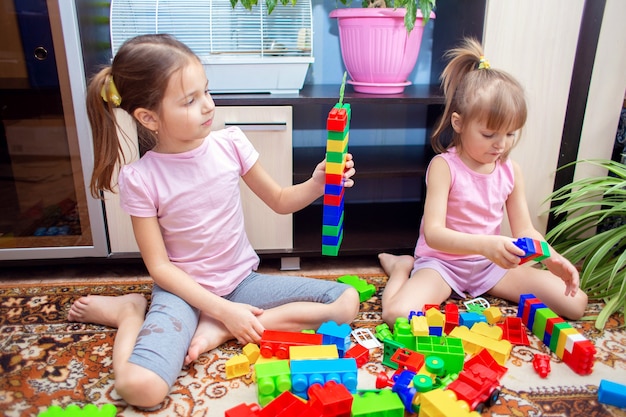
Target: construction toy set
{"points": [[338, 126], [445, 363]]}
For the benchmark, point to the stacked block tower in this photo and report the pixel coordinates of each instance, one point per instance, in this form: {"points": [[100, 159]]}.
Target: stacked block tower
{"points": [[338, 127], [566, 342]]}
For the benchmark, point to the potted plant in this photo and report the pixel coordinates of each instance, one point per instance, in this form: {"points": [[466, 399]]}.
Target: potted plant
{"points": [[592, 233], [379, 42]]}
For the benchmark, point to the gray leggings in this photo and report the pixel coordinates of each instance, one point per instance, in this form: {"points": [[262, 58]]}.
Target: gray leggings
{"points": [[170, 323]]}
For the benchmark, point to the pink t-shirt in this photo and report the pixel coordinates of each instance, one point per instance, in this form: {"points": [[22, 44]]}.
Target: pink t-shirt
{"points": [[475, 202], [195, 196]]}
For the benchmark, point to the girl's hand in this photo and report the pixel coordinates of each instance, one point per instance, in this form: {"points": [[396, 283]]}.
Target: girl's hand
{"points": [[502, 251], [319, 174], [562, 268], [242, 322]]}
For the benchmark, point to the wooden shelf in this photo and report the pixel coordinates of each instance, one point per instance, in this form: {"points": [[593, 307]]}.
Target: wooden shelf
{"points": [[329, 94]]}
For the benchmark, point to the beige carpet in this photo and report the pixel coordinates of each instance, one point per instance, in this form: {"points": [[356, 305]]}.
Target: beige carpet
{"points": [[46, 360]]}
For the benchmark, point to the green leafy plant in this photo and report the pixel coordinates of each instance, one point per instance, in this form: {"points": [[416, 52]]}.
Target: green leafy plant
{"points": [[411, 6], [592, 233]]}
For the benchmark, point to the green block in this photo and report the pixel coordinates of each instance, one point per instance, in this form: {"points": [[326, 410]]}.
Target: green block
{"points": [[365, 289], [389, 348], [328, 230], [556, 331], [272, 379], [541, 320], [383, 403], [450, 349]]}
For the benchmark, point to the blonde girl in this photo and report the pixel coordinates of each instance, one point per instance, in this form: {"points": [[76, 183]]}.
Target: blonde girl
{"points": [[470, 182]]}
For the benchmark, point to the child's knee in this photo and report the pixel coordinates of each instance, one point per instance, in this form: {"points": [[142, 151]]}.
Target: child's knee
{"points": [[141, 387], [350, 303]]}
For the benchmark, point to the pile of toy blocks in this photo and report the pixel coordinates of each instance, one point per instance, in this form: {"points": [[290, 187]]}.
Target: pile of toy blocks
{"points": [[338, 127], [446, 363]]}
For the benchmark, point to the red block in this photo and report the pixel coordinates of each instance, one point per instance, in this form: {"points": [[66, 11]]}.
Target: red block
{"points": [[408, 359], [334, 200], [581, 358], [527, 307], [451, 312], [276, 343], [243, 410], [337, 120], [360, 353], [514, 331], [332, 400], [286, 405], [334, 179]]}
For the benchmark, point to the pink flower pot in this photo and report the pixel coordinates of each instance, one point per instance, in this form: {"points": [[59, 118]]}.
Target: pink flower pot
{"points": [[378, 53]]}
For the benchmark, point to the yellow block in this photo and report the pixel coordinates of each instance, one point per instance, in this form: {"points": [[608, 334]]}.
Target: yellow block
{"points": [[492, 332], [335, 167], [563, 335], [236, 366], [313, 352], [435, 318], [473, 342], [337, 145], [252, 351], [493, 314], [419, 326]]}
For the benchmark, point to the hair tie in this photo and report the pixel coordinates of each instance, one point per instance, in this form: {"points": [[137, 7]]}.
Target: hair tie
{"points": [[109, 92], [483, 63]]}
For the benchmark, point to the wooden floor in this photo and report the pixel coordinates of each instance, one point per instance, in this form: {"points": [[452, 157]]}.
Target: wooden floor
{"points": [[106, 270]]}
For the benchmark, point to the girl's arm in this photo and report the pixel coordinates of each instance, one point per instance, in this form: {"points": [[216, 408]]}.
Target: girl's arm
{"points": [[499, 249], [239, 319], [285, 200], [522, 226]]}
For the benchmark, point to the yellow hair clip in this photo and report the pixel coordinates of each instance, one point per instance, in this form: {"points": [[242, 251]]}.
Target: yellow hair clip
{"points": [[109, 92], [483, 63]]}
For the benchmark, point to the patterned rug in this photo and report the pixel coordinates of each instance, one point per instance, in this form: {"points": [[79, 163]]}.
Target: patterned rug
{"points": [[46, 360]]}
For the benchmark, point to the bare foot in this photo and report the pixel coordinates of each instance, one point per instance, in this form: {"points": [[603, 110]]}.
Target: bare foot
{"points": [[106, 310], [391, 262], [209, 334]]}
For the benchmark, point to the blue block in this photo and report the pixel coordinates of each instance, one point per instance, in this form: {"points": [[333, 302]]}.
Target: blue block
{"points": [[333, 240], [336, 334], [469, 319], [612, 393], [522, 301], [331, 189], [531, 316], [305, 373]]}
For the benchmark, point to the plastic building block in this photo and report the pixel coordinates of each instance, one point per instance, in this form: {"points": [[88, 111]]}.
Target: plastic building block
{"points": [[305, 373], [338, 127], [612, 393], [440, 403], [383, 332], [473, 342], [493, 332], [272, 379], [566, 342], [408, 359], [243, 410], [478, 385], [402, 333], [435, 318], [360, 353], [285, 405], [514, 331], [493, 315], [364, 289], [471, 318], [377, 404], [89, 410], [450, 349], [366, 338], [389, 348], [237, 365], [332, 399], [534, 249], [333, 333], [252, 352], [419, 326], [477, 305], [451, 313], [541, 364], [276, 343], [313, 352]]}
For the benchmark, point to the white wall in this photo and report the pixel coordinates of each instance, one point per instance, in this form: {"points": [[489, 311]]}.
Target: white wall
{"points": [[536, 41]]}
